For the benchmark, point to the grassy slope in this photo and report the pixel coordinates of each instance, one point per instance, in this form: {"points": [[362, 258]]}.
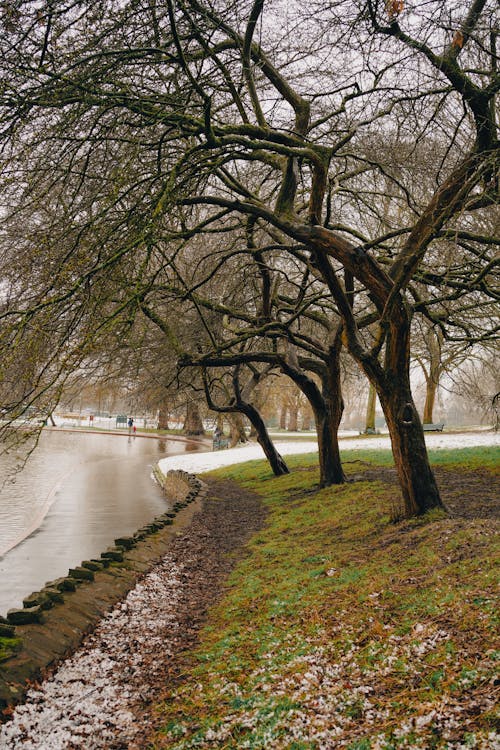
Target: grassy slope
{"points": [[341, 629]]}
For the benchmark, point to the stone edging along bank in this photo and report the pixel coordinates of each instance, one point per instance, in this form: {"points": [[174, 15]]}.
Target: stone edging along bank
{"points": [[53, 621]]}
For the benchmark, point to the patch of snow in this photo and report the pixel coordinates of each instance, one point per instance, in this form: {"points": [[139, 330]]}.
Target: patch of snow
{"points": [[199, 462]]}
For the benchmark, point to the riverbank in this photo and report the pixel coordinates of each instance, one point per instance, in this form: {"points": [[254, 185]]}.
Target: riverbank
{"points": [[338, 629], [103, 695]]}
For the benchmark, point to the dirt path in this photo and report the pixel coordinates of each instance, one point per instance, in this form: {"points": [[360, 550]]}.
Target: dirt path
{"points": [[103, 695]]}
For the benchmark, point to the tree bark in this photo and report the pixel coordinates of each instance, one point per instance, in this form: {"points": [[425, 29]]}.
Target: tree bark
{"points": [[193, 424], [276, 461], [238, 433], [293, 418], [306, 419], [163, 418], [370, 409], [334, 403], [418, 485], [431, 387], [283, 414], [327, 407]]}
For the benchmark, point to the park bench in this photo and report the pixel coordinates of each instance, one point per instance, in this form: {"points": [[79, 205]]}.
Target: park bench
{"points": [[219, 443], [433, 427]]}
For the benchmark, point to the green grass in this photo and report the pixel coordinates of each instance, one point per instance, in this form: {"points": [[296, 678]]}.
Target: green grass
{"points": [[341, 625], [9, 647]]}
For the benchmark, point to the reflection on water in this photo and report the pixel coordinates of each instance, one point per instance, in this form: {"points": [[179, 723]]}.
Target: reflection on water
{"points": [[76, 494]]}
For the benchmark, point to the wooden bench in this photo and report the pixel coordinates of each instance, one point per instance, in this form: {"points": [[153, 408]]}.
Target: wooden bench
{"points": [[433, 427]]}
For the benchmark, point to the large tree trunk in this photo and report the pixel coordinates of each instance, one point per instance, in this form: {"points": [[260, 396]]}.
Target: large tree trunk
{"points": [[431, 387], [306, 418], [330, 465], [193, 424], [370, 409], [163, 418], [328, 440], [238, 432], [327, 409], [293, 421], [418, 485]]}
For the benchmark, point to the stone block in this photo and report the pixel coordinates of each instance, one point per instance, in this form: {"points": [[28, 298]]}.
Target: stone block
{"points": [[25, 616], [92, 565], [54, 595], [114, 554], [81, 574], [37, 599], [125, 541], [62, 584], [7, 631]]}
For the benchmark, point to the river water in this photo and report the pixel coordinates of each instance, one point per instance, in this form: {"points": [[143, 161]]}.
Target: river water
{"points": [[76, 494]]}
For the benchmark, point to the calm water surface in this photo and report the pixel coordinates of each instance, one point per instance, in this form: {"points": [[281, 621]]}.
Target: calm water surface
{"points": [[78, 492]]}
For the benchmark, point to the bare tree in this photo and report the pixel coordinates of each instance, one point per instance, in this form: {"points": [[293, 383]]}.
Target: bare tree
{"points": [[130, 129]]}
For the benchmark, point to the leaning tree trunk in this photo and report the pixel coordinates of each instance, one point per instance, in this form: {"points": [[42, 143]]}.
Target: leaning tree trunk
{"points": [[276, 461], [327, 408], [193, 424]]}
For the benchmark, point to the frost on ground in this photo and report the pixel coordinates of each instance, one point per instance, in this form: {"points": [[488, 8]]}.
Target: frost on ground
{"points": [[89, 701]]}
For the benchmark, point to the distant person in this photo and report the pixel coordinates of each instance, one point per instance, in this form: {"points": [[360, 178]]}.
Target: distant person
{"points": [[130, 424]]}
